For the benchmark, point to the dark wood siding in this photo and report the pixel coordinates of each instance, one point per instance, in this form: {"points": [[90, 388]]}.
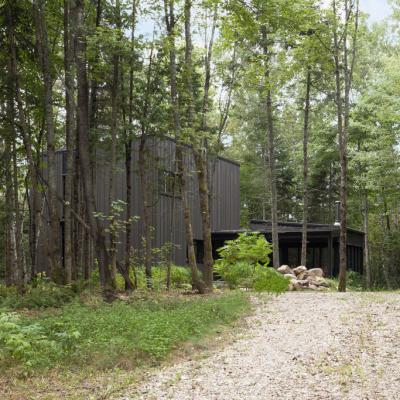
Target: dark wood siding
{"points": [[166, 217]]}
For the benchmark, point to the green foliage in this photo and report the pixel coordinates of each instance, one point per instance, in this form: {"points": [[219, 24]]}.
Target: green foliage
{"points": [[28, 344], [354, 282], [249, 247], [244, 263], [270, 281], [40, 294], [143, 330], [180, 277]]}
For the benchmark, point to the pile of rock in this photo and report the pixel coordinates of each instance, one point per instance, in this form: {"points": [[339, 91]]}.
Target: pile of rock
{"points": [[303, 278]]}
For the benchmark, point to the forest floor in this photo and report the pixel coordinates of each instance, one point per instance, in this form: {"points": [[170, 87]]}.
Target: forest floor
{"points": [[296, 346]]}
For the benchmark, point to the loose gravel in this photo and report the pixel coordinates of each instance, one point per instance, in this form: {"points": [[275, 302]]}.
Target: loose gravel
{"points": [[296, 346]]}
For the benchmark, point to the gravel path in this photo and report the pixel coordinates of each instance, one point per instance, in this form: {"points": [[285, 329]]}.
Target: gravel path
{"points": [[297, 346]]}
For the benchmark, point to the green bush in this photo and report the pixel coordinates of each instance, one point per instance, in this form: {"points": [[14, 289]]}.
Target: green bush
{"points": [[25, 343], [269, 280], [39, 294], [244, 263], [180, 277], [354, 280], [239, 274], [249, 247]]}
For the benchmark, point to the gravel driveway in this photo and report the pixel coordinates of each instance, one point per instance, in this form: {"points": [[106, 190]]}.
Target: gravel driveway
{"points": [[296, 346]]}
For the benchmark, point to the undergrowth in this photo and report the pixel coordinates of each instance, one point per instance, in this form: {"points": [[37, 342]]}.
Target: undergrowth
{"points": [[101, 336]]}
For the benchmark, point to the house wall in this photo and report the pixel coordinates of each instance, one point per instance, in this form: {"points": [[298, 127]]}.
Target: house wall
{"points": [[166, 210]]}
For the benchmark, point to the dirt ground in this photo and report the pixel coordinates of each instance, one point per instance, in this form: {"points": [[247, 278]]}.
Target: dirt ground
{"points": [[296, 346]]}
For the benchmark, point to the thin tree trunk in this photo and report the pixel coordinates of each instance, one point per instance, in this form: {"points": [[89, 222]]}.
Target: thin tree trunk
{"points": [[113, 164], [70, 142], [385, 247], [343, 114], [367, 264], [94, 87], [200, 158], [343, 160], [144, 180], [271, 152], [9, 208], [128, 156], [182, 173], [146, 210], [305, 169], [97, 230], [53, 246], [18, 224], [24, 129]]}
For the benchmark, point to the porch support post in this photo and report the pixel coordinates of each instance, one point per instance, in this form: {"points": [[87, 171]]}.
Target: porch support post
{"points": [[330, 255]]}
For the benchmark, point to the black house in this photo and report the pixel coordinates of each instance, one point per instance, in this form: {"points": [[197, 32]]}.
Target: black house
{"points": [[167, 216]]}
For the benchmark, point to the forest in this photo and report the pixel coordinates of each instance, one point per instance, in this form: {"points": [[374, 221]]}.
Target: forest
{"points": [[303, 95]]}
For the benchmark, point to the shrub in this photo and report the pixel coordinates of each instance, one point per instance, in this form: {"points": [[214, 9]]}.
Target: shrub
{"points": [[269, 280], [239, 274], [180, 277], [40, 294], [249, 247], [26, 343], [244, 263]]}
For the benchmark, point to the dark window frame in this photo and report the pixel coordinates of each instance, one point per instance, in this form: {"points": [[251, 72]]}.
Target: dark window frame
{"points": [[166, 181]]}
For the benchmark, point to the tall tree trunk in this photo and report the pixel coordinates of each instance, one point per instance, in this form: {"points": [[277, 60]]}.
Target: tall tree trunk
{"points": [[24, 129], [94, 87], [18, 224], [53, 246], [113, 163], [179, 152], [271, 151], [147, 220], [97, 230], [10, 261], [144, 178], [200, 156], [128, 156], [343, 159], [305, 169], [343, 118], [70, 142]]}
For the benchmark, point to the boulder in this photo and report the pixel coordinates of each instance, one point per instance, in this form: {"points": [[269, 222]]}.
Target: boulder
{"points": [[285, 269], [303, 283], [299, 270], [295, 285], [290, 276], [317, 272], [312, 287], [323, 282], [318, 281], [302, 276]]}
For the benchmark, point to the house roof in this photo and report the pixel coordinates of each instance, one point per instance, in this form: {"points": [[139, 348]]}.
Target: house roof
{"points": [[264, 226]]}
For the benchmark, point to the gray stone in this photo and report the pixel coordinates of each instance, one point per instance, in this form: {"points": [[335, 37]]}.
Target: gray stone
{"points": [[303, 283], [302, 276], [316, 272], [285, 269], [299, 270]]}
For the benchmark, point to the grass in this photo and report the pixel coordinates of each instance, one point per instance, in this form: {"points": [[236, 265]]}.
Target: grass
{"points": [[104, 340]]}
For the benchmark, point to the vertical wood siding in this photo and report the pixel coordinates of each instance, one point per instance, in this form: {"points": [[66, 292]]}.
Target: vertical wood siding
{"points": [[168, 226]]}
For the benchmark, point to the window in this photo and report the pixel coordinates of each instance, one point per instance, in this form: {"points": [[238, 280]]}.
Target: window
{"points": [[168, 183]]}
